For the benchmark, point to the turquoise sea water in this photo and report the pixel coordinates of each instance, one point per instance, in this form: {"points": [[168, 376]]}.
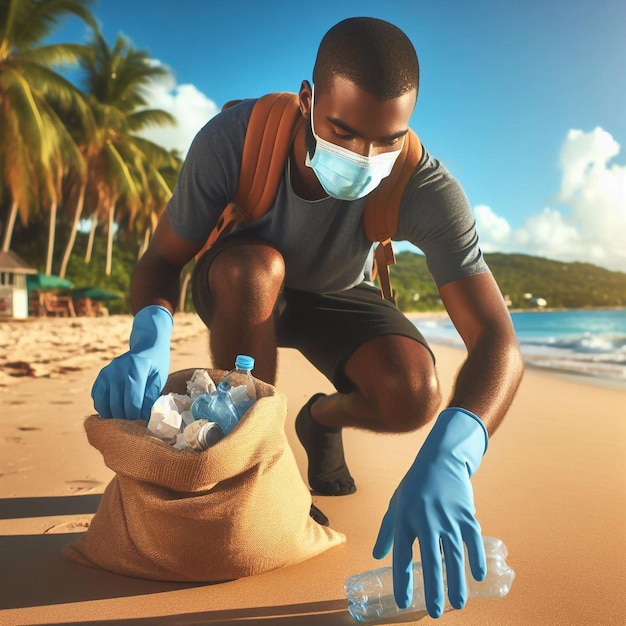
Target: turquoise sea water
{"points": [[582, 342]]}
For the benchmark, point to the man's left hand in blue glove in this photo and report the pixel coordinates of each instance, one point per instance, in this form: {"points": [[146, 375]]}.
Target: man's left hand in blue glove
{"points": [[434, 503]]}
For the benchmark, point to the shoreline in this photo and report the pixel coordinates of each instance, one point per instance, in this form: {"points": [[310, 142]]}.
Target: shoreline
{"points": [[546, 309], [563, 374], [39, 348], [532, 361]]}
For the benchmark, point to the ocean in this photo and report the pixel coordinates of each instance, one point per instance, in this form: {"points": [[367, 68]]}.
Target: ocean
{"points": [[585, 343]]}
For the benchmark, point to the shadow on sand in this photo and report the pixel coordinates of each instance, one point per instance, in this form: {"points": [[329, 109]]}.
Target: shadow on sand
{"points": [[36, 575]]}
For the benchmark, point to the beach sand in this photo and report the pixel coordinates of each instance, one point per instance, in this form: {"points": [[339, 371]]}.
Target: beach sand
{"points": [[552, 486]]}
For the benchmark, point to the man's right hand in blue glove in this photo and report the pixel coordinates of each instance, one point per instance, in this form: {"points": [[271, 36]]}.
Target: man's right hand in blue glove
{"points": [[434, 503], [128, 386]]}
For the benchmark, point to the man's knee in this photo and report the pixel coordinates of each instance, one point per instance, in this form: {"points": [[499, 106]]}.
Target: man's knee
{"points": [[252, 273], [396, 376], [408, 402]]}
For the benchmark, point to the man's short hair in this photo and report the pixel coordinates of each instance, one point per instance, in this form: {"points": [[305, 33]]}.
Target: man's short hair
{"points": [[373, 54]]}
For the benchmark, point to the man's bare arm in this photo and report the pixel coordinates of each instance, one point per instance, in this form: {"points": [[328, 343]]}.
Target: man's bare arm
{"points": [[156, 279], [490, 376]]}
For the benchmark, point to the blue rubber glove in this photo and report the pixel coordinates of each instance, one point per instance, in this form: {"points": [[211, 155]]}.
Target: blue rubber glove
{"points": [[434, 503], [128, 386]]}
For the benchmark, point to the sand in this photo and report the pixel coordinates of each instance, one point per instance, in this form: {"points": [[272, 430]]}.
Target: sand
{"points": [[552, 486]]}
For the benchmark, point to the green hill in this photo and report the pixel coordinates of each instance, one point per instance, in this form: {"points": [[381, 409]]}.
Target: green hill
{"points": [[562, 285]]}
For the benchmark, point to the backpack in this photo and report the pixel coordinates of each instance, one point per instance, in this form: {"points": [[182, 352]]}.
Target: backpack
{"points": [[273, 123]]}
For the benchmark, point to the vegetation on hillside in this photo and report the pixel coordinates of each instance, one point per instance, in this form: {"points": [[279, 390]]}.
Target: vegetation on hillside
{"points": [[522, 279]]}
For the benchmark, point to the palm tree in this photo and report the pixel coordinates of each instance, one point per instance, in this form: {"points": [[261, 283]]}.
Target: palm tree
{"points": [[116, 80], [32, 133]]}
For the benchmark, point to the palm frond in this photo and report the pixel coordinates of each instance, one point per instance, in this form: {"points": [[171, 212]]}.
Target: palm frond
{"points": [[155, 153], [59, 54], [17, 90], [16, 164], [30, 21], [146, 118], [65, 144], [123, 169], [56, 87], [120, 75], [162, 183], [10, 13]]}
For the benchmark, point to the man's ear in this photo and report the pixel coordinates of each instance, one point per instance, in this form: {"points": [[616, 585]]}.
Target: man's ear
{"points": [[305, 94]]}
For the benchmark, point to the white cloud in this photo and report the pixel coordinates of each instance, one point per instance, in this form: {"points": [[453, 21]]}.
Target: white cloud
{"points": [[187, 104], [498, 228], [595, 193]]}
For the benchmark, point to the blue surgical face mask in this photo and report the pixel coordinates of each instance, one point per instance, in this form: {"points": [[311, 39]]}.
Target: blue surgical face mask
{"points": [[344, 174]]}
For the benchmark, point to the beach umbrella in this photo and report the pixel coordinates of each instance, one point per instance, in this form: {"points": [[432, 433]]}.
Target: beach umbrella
{"points": [[95, 293], [46, 282]]}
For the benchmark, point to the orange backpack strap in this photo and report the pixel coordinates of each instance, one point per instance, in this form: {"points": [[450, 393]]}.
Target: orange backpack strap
{"points": [[273, 122], [384, 256], [382, 210]]}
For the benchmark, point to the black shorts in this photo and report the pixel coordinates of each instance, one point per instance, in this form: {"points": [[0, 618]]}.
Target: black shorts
{"points": [[325, 327]]}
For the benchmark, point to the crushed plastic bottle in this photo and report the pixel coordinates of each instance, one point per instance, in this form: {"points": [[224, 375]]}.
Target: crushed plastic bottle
{"points": [[370, 594], [234, 395], [199, 383]]}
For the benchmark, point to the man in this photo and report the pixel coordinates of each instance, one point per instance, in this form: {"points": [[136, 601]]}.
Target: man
{"points": [[296, 278]]}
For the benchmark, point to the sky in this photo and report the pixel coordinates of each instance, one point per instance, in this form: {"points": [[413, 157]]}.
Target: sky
{"points": [[524, 102]]}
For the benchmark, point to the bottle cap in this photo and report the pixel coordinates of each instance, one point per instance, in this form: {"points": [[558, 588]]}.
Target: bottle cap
{"points": [[244, 362]]}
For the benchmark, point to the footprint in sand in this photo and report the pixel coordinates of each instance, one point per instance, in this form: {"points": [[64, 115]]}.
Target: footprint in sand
{"points": [[13, 439], [64, 369], [68, 527], [83, 486]]}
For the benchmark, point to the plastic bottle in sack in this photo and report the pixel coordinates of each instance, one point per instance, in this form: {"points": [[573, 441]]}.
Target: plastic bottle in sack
{"points": [[234, 395], [370, 594]]}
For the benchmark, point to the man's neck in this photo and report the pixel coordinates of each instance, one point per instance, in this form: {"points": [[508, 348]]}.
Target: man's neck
{"points": [[303, 179]]}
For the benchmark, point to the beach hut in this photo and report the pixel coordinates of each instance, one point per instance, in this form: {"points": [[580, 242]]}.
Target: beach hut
{"points": [[13, 291]]}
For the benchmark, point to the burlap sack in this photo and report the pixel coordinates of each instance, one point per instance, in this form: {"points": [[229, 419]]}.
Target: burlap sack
{"points": [[237, 509]]}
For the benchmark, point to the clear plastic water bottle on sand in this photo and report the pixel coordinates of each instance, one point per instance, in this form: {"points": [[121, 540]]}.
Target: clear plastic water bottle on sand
{"points": [[370, 594], [234, 395]]}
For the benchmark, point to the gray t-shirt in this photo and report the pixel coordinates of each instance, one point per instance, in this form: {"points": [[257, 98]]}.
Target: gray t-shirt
{"points": [[323, 242]]}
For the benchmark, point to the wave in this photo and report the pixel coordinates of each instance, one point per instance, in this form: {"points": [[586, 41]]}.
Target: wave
{"points": [[599, 356], [590, 355], [583, 344]]}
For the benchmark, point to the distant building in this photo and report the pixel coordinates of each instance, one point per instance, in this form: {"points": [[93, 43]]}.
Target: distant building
{"points": [[13, 290]]}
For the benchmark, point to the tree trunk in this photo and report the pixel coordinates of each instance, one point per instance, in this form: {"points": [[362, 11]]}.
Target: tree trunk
{"points": [[9, 226], [92, 234], [145, 243], [51, 234], [109, 262], [70, 244], [183, 291]]}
